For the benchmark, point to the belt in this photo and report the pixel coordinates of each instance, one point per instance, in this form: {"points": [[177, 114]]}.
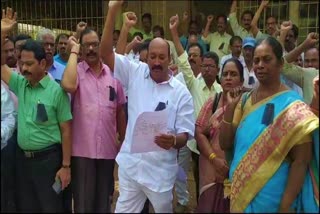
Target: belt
{"points": [[43, 152]]}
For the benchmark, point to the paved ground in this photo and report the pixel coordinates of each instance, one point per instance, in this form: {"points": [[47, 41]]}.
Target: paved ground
{"points": [[191, 187]]}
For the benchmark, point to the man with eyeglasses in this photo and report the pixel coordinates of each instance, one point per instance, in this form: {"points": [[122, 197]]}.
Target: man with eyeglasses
{"points": [[47, 38], [98, 114], [201, 88]]}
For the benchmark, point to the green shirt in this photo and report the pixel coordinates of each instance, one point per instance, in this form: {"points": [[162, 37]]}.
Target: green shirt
{"points": [[198, 89], [303, 77], [33, 135]]}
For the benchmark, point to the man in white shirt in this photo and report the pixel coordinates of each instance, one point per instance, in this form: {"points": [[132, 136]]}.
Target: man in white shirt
{"points": [[235, 46], [250, 79], [152, 174]]}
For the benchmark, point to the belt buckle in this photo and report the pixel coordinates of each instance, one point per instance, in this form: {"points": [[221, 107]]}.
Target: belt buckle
{"points": [[28, 154]]}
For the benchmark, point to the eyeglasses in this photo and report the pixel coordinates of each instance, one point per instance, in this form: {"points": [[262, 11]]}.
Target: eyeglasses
{"points": [[208, 66], [93, 44], [193, 55], [48, 44]]}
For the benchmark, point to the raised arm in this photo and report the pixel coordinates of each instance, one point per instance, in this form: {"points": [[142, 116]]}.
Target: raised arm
{"points": [[284, 29], [106, 46], [309, 42], [254, 22], [81, 26], [8, 21], [227, 127], [233, 8], [174, 23], [69, 79], [207, 28], [183, 28], [130, 19]]}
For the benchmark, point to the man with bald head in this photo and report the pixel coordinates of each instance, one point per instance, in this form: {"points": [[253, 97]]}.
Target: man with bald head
{"points": [[151, 87]]}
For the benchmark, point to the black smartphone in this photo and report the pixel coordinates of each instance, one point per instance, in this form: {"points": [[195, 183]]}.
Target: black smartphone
{"points": [[221, 46]]}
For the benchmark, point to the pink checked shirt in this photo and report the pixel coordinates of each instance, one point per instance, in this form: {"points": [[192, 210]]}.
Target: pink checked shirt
{"points": [[94, 123]]}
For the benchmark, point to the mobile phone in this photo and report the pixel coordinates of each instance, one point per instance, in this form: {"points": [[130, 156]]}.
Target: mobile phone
{"points": [[221, 46], [57, 187]]}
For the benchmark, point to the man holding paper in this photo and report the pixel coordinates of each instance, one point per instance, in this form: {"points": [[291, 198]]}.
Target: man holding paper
{"points": [[149, 174]]}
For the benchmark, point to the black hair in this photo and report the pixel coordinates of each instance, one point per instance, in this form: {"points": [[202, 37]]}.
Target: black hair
{"points": [[295, 31], [116, 31], [144, 45], [212, 55], [138, 34], [35, 47], [21, 37], [272, 16], [247, 12], [196, 45], [158, 28], [61, 35], [234, 39], [238, 65], [85, 32], [275, 46], [222, 16], [147, 15]]}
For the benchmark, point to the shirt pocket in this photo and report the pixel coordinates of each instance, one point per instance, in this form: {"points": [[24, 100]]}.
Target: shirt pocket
{"points": [[47, 115]]}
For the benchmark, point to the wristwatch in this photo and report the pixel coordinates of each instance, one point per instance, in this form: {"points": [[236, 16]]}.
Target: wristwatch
{"points": [[65, 166]]}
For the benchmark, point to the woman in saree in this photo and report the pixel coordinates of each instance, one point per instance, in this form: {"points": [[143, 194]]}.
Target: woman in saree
{"points": [[270, 130], [213, 168]]}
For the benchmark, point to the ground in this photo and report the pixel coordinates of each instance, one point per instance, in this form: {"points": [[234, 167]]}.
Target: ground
{"points": [[191, 187]]}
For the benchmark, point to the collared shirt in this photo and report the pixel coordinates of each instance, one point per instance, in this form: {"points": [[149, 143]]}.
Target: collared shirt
{"points": [[247, 75], [133, 56], [155, 170], [8, 116], [33, 134], [238, 30], [216, 40], [56, 70], [198, 89], [303, 77], [184, 42], [95, 114], [58, 59], [229, 56]]}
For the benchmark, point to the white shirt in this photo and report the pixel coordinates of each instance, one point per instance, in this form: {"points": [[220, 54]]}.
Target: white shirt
{"points": [[155, 170], [134, 57], [229, 56], [8, 116], [246, 76]]}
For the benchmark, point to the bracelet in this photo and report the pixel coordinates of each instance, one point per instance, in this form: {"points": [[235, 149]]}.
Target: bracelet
{"points": [[66, 166], [226, 122], [212, 156], [74, 52]]}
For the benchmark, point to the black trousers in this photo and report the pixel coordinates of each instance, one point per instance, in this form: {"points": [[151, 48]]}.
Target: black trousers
{"points": [[35, 177], [8, 175], [92, 184]]}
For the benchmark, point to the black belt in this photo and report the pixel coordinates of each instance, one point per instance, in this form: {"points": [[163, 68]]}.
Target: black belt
{"points": [[43, 152]]}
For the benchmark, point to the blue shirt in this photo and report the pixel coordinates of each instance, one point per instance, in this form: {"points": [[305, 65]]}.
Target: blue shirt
{"points": [[59, 59], [184, 42], [56, 71]]}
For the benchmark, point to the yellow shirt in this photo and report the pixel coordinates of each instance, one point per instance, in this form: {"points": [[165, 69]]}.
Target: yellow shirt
{"points": [[216, 40], [198, 89]]}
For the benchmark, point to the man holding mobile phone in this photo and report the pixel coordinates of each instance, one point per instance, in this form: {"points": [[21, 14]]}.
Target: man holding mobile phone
{"points": [[218, 40]]}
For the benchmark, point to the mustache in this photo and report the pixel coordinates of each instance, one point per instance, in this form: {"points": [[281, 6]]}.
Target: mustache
{"points": [[91, 54], [26, 73], [192, 61], [159, 67]]}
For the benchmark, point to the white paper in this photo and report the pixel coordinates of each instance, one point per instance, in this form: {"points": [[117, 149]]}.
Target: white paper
{"points": [[149, 125]]}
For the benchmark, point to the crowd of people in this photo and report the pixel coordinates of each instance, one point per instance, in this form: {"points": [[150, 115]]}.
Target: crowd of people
{"points": [[242, 113]]}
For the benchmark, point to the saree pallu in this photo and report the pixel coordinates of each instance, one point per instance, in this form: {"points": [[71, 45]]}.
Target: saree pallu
{"points": [[211, 197], [259, 169]]}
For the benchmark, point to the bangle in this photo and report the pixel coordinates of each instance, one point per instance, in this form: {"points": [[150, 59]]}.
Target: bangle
{"points": [[226, 122], [174, 141], [74, 52], [212, 156]]}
